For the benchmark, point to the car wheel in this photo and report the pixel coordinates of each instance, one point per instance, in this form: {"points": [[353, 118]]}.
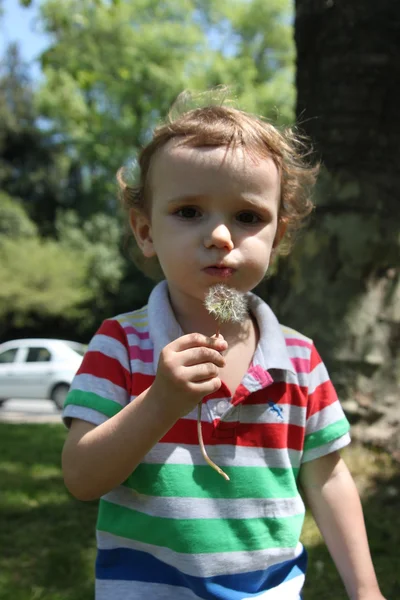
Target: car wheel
{"points": [[59, 394]]}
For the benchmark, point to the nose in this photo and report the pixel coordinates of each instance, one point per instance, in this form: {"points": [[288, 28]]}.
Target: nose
{"points": [[220, 237]]}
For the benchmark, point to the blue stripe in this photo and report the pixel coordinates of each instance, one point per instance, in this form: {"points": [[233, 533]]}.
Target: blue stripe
{"points": [[125, 564]]}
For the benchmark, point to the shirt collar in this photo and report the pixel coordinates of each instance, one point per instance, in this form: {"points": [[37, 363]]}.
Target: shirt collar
{"points": [[271, 352]]}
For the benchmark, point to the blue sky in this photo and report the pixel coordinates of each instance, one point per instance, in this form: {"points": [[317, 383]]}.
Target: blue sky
{"points": [[18, 24]]}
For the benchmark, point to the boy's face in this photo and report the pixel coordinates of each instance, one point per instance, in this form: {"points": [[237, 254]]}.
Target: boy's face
{"points": [[214, 218]]}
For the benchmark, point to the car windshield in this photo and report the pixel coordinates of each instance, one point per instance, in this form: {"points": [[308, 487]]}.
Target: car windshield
{"points": [[79, 348]]}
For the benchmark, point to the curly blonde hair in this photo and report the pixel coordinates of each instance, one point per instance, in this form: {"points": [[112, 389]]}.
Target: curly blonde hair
{"points": [[223, 125]]}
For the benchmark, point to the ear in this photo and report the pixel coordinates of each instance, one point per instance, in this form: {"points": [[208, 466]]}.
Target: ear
{"points": [[280, 232], [141, 228]]}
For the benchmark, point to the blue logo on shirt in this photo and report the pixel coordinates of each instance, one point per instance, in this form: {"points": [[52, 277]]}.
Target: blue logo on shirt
{"points": [[273, 407]]}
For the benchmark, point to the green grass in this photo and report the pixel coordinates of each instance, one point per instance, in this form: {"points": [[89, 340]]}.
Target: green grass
{"points": [[47, 539]]}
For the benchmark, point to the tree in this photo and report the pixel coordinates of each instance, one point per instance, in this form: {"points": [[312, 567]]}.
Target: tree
{"points": [[33, 166], [342, 284], [39, 278], [114, 69]]}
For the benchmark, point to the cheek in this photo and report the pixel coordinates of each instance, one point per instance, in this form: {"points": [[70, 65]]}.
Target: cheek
{"points": [[258, 248]]}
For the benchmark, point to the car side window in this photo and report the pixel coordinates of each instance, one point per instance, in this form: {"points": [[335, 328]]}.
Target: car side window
{"points": [[8, 356], [38, 355]]}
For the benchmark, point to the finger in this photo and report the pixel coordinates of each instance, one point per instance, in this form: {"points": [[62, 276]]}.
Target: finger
{"points": [[201, 372], [196, 356], [204, 388], [195, 340]]}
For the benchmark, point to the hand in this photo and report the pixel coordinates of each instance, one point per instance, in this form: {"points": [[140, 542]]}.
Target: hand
{"points": [[187, 371]]}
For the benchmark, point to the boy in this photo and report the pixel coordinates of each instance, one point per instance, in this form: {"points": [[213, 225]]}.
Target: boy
{"points": [[219, 191]]}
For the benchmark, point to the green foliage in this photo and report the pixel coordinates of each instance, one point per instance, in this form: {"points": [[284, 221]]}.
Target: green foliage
{"points": [[39, 278], [32, 163], [14, 222], [114, 69], [110, 74], [97, 242]]}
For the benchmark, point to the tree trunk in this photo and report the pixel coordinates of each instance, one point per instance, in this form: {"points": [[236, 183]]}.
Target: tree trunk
{"points": [[342, 282]]}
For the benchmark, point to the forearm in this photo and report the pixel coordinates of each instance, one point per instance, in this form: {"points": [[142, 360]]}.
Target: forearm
{"points": [[102, 458], [337, 510]]}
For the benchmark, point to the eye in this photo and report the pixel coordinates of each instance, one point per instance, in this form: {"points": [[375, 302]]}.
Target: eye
{"points": [[188, 212], [248, 218]]}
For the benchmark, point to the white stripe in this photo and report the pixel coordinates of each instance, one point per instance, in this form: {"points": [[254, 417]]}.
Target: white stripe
{"points": [[317, 376], [102, 387], [206, 508], [211, 409], [328, 448], [138, 366], [326, 416], [250, 413], [84, 414], [300, 379], [135, 340], [263, 413], [110, 347], [134, 318], [206, 564], [299, 352], [288, 590], [107, 589], [224, 455]]}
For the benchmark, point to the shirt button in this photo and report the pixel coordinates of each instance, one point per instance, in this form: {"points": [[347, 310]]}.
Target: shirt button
{"points": [[222, 407]]}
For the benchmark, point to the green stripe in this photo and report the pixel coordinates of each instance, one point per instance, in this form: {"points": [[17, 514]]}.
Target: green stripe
{"points": [[190, 481], [91, 400], [327, 434], [194, 536]]}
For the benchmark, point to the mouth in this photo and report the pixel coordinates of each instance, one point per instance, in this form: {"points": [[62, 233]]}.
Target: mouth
{"points": [[220, 271]]}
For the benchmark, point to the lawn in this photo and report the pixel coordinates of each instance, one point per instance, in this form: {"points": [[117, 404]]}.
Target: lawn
{"points": [[47, 538]]}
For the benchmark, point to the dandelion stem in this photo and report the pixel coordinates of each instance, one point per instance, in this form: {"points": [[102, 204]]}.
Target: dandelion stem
{"points": [[202, 447], [225, 304]]}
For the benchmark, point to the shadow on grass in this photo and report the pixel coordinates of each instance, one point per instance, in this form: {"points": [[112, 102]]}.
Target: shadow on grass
{"points": [[47, 538], [382, 518]]}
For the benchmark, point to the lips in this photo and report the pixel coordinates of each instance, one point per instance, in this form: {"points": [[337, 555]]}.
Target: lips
{"points": [[219, 271]]}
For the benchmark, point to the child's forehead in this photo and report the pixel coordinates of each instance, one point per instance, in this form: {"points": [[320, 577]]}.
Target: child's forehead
{"points": [[209, 167], [176, 155]]}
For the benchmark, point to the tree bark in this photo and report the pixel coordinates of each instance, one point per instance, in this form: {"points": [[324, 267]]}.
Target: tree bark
{"points": [[342, 283]]}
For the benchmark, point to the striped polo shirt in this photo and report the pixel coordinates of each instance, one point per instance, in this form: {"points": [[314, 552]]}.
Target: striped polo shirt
{"points": [[175, 529]]}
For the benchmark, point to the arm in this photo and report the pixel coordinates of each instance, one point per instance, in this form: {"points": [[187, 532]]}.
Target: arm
{"points": [[97, 459], [335, 504]]}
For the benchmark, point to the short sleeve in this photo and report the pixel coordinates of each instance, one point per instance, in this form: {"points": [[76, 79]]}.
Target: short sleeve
{"points": [[327, 428], [102, 385]]}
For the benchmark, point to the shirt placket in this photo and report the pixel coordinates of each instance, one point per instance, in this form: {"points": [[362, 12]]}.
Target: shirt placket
{"points": [[254, 380]]}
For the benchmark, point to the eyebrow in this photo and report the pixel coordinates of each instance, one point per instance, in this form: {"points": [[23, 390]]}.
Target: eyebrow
{"points": [[186, 198], [199, 197]]}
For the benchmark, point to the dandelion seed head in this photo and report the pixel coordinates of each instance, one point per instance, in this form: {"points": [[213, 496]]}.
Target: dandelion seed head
{"points": [[226, 304]]}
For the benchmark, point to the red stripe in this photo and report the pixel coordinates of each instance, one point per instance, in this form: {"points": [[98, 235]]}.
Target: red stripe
{"points": [[142, 335], [315, 359], [301, 365], [297, 342], [141, 382], [280, 392], [262, 435], [113, 329], [98, 364], [143, 354], [323, 396]]}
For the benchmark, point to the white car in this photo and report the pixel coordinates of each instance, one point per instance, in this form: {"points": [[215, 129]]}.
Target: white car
{"points": [[38, 369]]}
